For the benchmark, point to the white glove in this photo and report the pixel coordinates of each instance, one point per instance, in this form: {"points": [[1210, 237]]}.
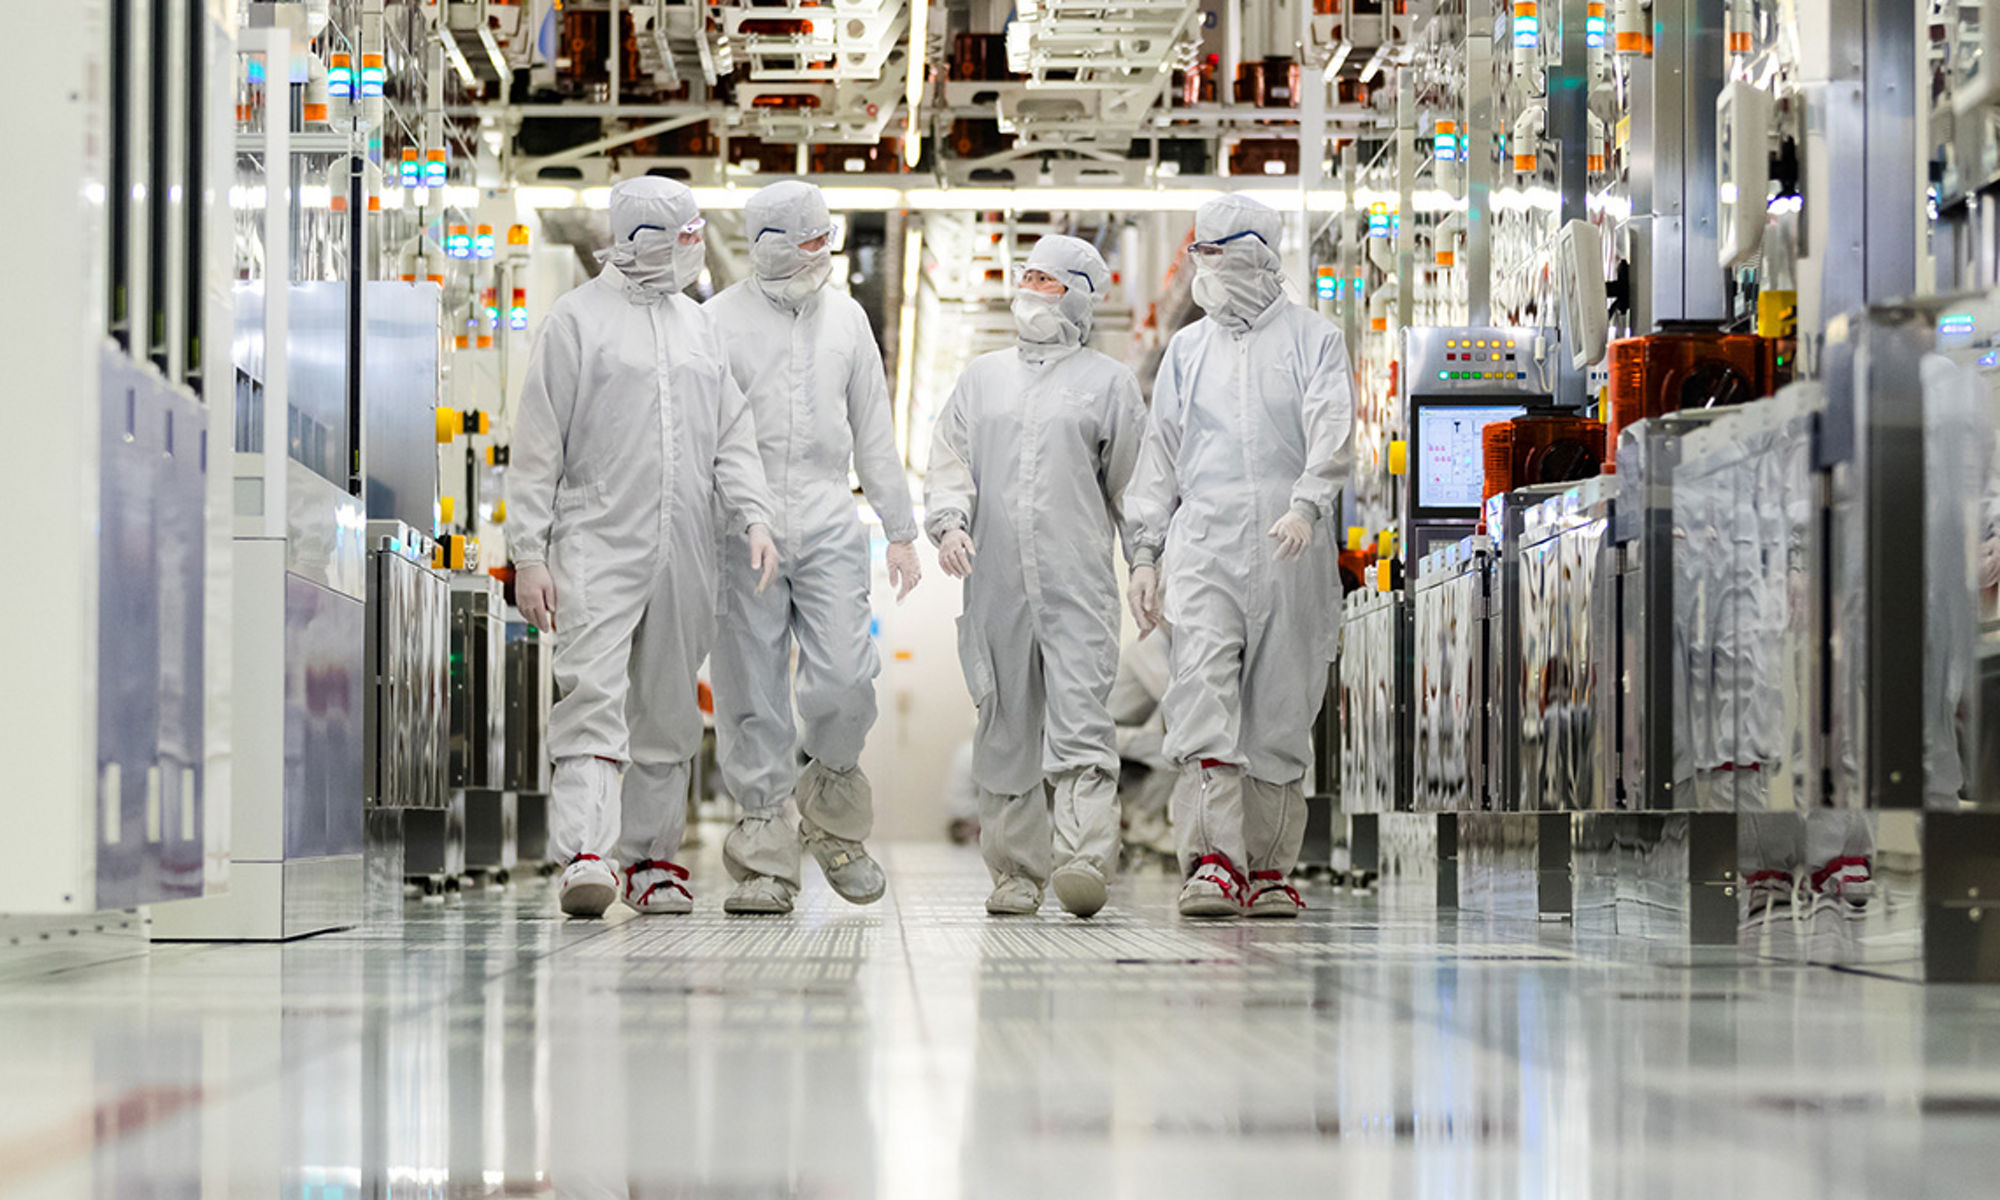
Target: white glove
{"points": [[535, 595], [1144, 596], [904, 570], [1293, 533], [955, 553], [763, 556]]}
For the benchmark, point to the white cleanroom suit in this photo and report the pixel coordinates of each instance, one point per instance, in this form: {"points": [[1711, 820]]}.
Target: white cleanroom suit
{"points": [[1247, 447], [1029, 459], [629, 430], [806, 357]]}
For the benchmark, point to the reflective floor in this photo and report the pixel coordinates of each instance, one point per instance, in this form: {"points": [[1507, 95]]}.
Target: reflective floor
{"points": [[919, 1049]]}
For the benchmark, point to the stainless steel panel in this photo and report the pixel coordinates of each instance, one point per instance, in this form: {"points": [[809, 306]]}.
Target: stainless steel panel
{"points": [[325, 535], [1748, 636], [1428, 370], [478, 677], [530, 691], [316, 363], [152, 561], [408, 645], [1372, 753], [399, 373], [490, 829], [1568, 648], [325, 702], [1515, 864], [1449, 677]]}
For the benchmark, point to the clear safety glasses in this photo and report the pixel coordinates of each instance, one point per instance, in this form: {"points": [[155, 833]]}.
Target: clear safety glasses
{"points": [[690, 233], [809, 240], [1212, 252]]}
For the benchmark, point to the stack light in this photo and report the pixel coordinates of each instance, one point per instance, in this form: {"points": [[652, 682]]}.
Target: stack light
{"points": [[482, 242], [1444, 145], [1595, 26], [435, 169], [1527, 25], [1378, 221], [458, 242], [517, 315], [517, 235], [412, 170], [340, 77], [373, 75]]}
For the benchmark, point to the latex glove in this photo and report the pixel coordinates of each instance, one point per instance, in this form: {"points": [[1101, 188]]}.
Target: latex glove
{"points": [[956, 552], [1144, 596], [904, 570], [763, 556], [535, 595], [1293, 533]]}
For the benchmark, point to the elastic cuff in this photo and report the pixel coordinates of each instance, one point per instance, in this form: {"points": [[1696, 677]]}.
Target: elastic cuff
{"points": [[908, 534], [944, 521], [1146, 556], [535, 561], [1306, 509]]}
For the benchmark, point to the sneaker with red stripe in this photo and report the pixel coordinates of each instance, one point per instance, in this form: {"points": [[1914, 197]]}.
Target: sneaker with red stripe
{"points": [[1272, 896], [588, 887], [1214, 890], [658, 888]]}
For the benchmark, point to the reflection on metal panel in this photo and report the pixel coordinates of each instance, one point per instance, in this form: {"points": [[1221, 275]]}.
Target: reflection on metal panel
{"points": [[530, 693], [316, 380], [1747, 632], [1448, 682], [1371, 699], [408, 639], [399, 369], [1568, 650], [151, 569], [478, 706], [324, 639]]}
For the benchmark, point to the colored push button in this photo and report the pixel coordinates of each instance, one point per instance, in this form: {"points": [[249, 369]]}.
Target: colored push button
{"points": [[1399, 458]]}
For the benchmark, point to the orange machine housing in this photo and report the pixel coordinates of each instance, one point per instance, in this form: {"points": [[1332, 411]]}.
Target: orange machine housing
{"points": [[1689, 367], [1541, 448]]}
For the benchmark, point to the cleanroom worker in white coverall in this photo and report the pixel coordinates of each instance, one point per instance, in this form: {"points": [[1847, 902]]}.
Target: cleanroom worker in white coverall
{"points": [[1028, 461], [1247, 447], [630, 432], [805, 355]]}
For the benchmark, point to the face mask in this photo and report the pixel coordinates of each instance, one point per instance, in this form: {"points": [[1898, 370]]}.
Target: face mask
{"points": [[1037, 319], [1209, 290], [688, 262], [788, 274], [652, 259]]}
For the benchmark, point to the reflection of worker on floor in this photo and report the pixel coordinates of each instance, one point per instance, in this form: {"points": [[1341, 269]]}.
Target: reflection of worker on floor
{"points": [[1145, 775]]}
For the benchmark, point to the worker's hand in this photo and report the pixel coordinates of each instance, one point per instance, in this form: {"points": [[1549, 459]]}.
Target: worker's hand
{"points": [[904, 569], [955, 553], [763, 556], [535, 595], [1144, 596], [1293, 533]]}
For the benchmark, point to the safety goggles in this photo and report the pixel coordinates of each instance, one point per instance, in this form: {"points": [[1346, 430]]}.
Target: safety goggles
{"points": [[690, 233], [809, 240], [1212, 252]]}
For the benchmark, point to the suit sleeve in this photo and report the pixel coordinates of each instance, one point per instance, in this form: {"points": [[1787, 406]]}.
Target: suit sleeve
{"points": [[540, 437], [1124, 436], [876, 460], [1154, 491], [950, 495], [1329, 426]]}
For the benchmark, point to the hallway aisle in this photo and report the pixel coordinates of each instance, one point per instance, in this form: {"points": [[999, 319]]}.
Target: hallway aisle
{"points": [[919, 1049]]}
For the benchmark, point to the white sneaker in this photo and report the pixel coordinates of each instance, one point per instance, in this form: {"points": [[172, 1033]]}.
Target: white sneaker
{"points": [[1214, 890], [1080, 888], [1848, 882], [759, 896], [589, 886], [1014, 897], [1271, 896], [658, 888], [853, 875]]}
